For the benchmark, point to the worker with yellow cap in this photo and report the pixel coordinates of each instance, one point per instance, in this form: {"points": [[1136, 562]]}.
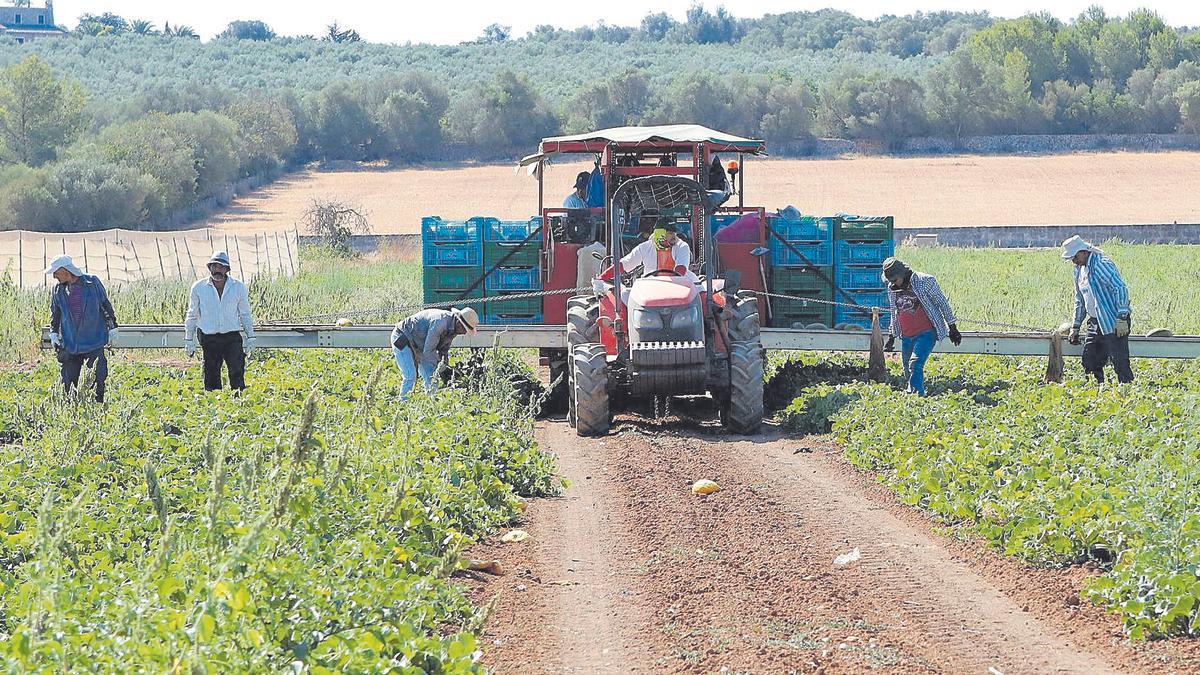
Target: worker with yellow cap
{"points": [[422, 341]]}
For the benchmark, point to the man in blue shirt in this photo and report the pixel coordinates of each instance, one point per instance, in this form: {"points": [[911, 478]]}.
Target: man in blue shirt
{"points": [[422, 341], [578, 198], [1101, 297], [82, 323]]}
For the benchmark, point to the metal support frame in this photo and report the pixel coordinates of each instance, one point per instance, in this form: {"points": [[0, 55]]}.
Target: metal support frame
{"points": [[554, 337]]}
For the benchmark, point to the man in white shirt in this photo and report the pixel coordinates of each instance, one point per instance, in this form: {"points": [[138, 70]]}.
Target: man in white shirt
{"points": [[218, 314], [664, 250]]}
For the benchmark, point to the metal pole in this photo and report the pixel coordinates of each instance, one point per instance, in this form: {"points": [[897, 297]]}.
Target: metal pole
{"points": [[741, 181], [107, 264], [162, 268], [21, 259]]}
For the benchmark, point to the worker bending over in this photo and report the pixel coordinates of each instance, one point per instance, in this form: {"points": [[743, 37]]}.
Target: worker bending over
{"points": [[218, 314], [1101, 297], [82, 323], [664, 250], [921, 316], [422, 341]]}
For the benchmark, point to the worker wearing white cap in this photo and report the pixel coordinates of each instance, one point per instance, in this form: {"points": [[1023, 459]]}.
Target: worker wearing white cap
{"points": [[82, 323], [1102, 298], [422, 341], [218, 316]]}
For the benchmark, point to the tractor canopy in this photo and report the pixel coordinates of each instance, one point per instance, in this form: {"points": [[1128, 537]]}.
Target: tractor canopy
{"points": [[662, 137]]}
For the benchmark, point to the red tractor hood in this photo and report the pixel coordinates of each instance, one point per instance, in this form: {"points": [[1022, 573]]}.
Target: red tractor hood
{"points": [[662, 292]]}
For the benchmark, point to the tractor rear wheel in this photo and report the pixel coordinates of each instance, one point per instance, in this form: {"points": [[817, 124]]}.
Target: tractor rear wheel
{"points": [[743, 413], [589, 390], [582, 328], [744, 323]]}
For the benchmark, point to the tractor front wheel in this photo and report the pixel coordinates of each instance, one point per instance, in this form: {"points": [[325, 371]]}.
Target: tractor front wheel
{"points": [[743, 413], [589, 390]]}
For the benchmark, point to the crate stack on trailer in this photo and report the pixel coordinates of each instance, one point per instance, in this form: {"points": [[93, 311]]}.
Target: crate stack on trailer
{"points": [[512, 252], [801, 254], [452, 253], [860, 245]]}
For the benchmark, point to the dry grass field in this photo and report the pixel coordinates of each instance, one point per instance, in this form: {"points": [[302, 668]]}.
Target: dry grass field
{"points": [[1085, 188]]}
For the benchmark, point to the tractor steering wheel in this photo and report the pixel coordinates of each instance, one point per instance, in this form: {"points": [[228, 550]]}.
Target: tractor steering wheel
{"points": [[655, 273]]}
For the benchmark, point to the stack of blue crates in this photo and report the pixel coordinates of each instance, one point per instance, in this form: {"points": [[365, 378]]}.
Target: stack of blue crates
{"points": [[801, 268], [452, 254], [519, 271], [860, 245]]}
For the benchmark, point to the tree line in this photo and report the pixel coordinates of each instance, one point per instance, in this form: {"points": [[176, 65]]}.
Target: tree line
{"points": [[85, 151]]}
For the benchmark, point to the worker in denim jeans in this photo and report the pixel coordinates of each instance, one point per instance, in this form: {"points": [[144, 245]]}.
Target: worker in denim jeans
{"points": [[921, 316], [422, 341]]}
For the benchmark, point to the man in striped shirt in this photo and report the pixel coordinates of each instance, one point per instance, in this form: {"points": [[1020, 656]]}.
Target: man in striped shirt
{"points": [[1101, 297]]}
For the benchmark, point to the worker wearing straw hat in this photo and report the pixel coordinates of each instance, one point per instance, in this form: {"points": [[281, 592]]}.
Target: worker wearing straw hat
{"points": [[422, 341], [82, 323], [218, 314], [1102, 298]]}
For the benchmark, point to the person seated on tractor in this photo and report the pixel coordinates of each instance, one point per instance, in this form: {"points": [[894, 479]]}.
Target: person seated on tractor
{"points": [[663, 251], [578, 198]]}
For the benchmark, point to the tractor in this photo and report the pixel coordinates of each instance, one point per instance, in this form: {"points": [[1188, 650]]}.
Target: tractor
{"points": [[662, 333]]}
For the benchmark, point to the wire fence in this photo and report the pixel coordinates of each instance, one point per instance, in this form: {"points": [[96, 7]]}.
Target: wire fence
{"points": [[124, 256]]}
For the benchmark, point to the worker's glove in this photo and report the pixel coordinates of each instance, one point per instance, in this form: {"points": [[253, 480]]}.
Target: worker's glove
{"points": [[955, 336], [1124, 323], [599, 287], [1073, 336], [189, 348], [56, 341], [248, 345], [890, 346], [113, 334]]}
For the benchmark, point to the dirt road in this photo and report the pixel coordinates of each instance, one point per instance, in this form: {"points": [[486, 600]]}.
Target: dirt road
{"points": [[631, 572]]}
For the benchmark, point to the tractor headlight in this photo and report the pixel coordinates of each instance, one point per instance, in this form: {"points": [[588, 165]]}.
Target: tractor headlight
{"points": [[644, 318], [686, 317]]}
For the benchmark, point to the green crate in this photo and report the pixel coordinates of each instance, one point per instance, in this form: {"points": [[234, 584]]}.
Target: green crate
{"points": [[801, 278], [528, 255], [514, 307], [786, 315], [452, 278], [438, 296], [863, 228]]}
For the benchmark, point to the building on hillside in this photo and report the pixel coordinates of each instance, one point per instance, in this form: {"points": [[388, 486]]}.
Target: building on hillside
{"points": [[26, 24]]}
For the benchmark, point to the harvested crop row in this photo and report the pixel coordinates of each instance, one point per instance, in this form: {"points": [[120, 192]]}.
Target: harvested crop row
{"points": [[1058, 474], [311, 521]]}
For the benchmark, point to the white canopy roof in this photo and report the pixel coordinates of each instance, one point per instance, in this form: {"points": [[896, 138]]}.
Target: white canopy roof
{"points": [[680, 133]]}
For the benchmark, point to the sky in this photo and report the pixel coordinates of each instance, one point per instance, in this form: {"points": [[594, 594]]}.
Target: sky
{"points": [[462, 20]]}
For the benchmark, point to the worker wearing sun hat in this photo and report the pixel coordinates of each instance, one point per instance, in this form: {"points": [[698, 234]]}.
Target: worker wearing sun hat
{"points": [[1102, 299], [218, 314], [422, 341], [921, 315], [82, 323]]}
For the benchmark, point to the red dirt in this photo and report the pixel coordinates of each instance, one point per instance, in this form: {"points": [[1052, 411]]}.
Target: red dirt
{"points": [[631, 572]]}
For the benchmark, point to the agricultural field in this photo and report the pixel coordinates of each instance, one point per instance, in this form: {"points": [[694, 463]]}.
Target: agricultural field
{"points": [[315, 521], [1084, 188]]}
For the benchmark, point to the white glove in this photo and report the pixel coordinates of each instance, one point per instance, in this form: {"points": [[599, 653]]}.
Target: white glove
{"points": [[56, 340], [599, 287], [248, 345], [189, 348], [113, 334]]}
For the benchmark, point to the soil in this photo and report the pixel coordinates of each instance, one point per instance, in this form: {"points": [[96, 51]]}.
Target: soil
{"points": [[629, 571], [1082, 188]]}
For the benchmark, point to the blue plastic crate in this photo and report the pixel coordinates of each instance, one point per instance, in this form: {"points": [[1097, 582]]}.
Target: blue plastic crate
{"points": [[514, 279], [862, 316], [818, 253], [859, 278], [508, 230], [452, 255], [863, 252], [512, 320], [807, 228], [436, 230]]}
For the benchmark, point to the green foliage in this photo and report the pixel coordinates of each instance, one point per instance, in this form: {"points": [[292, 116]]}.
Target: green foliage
{"points": [[176, 530], [508, 113], [39, 113], [1054, 474], [247, 30]]}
